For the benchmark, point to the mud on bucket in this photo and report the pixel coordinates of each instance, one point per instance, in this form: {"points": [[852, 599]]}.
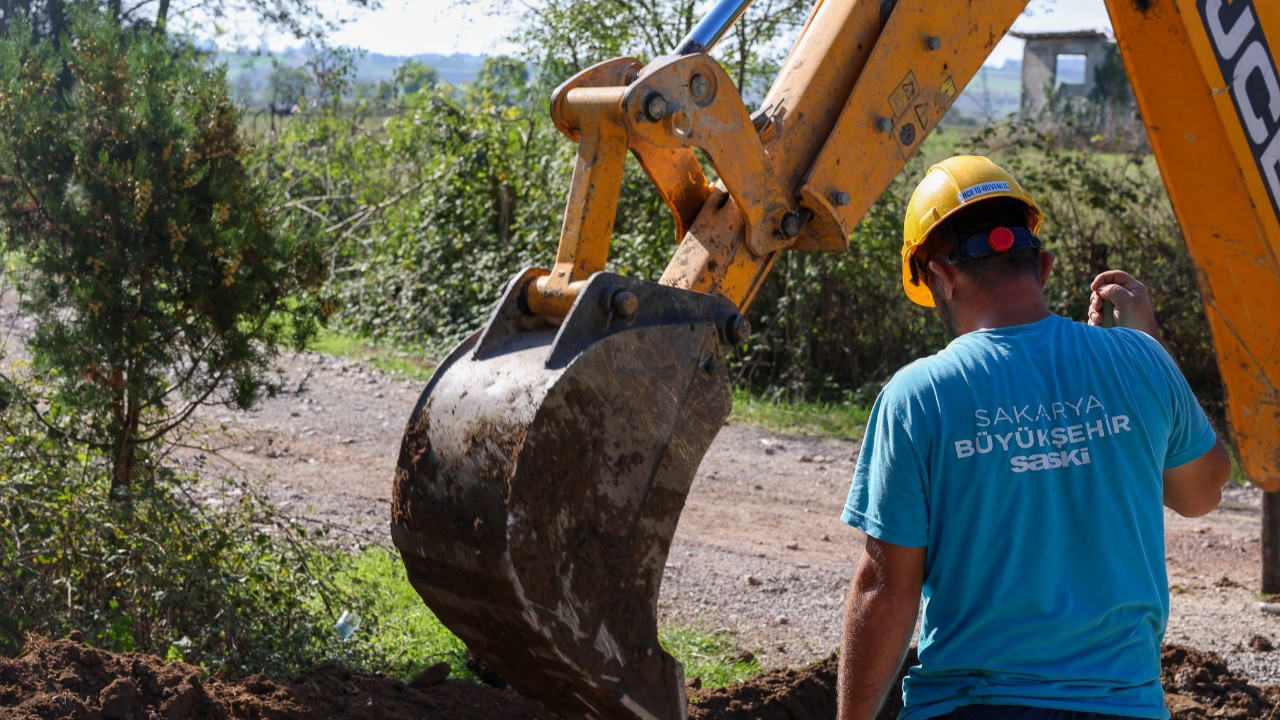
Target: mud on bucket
{"points": [[540, 481]]}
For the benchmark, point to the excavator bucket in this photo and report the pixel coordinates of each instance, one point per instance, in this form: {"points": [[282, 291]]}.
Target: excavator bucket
{"points": [[540, 480]]}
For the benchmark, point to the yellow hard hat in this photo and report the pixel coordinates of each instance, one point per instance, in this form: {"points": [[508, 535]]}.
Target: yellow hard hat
{"points": [[948, 186]]}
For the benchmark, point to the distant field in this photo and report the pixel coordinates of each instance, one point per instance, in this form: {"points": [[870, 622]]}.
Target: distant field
{"points": [[248, 70], [993, 94]]}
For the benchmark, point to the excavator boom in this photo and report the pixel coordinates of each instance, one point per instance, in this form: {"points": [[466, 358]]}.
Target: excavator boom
{"points": [[545, 467]]}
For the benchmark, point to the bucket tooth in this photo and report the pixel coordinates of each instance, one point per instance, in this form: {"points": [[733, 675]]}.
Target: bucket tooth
{"points": [[540, 481]]}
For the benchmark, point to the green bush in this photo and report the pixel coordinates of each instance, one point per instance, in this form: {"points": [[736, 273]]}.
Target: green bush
{"points": [[437, 207], [197, 569], [827, 325], [208, 572], [157, 278], [427, 212], [433, 209]]}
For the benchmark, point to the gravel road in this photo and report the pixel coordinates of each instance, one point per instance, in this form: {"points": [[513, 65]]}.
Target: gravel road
{"points": [[760, 550]]}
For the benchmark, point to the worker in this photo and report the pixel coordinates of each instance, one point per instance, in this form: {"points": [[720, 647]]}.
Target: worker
{"points": [[1014, 480]]}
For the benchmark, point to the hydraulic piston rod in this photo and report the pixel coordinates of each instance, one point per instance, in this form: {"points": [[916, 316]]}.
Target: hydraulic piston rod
{"points": [[712, 27]]}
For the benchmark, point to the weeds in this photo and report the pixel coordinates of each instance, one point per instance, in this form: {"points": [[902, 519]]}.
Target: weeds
{"points": [[846, 418], [402, 636], [383, 355], [714, 658]]}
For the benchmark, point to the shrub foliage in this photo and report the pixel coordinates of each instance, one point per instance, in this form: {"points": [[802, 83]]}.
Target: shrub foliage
{"points": [[832, 325], [157, 277], [429, 212], [211, 573], [433, 210]]}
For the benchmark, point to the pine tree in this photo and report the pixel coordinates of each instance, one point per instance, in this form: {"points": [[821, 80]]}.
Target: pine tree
{"points": [[158, 278]]}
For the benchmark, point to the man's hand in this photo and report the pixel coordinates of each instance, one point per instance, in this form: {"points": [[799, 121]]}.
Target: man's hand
{"points": [[1132, 304]]}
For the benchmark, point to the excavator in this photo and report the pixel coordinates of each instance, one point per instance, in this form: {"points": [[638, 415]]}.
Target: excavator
{"points": [[544, 469]]}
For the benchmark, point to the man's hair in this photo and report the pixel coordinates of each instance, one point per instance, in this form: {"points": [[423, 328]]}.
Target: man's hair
{"points": [[981, 217]]}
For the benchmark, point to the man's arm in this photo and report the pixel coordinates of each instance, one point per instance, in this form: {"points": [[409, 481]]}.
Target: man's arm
{"points": [[878, 622], [1193, 489]]}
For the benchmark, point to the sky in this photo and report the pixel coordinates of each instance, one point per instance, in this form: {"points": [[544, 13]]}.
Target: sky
{"points": [[412, 27]]}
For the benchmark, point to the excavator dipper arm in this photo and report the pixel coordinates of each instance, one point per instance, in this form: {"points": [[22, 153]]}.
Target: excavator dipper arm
{"points": [[544, 469], [1204, 74]]}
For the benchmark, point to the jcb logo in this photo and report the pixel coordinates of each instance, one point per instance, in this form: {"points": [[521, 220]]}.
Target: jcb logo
{"points": [[1247, 65]]}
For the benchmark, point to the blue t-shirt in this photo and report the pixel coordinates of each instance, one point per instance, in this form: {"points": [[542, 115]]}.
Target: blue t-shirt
{"points": [[1028, 461]]}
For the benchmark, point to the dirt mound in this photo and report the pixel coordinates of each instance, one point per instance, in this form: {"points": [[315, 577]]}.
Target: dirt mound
{"points": [[807, 692], [797, 694], [67, 679], [1198, 686]]}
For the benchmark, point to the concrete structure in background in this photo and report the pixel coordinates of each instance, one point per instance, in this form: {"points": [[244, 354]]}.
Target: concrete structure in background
{"points": [[1068, 60]]}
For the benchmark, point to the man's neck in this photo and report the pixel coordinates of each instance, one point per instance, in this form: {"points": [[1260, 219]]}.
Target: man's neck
{"points": [[1015, 304]]}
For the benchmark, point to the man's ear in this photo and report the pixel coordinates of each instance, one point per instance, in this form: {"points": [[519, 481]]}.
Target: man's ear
{"points": [[945, 275], [1046, 266]]}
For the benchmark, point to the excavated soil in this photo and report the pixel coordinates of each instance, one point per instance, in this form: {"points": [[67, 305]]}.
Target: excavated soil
{"points": [[1198, 686], [67, 679]]}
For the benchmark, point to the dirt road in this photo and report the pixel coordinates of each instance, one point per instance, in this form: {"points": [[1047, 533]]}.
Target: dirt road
{"points": [[760, 549]]}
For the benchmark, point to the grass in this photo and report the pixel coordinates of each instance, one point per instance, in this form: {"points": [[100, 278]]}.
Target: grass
{"points": [[399, 631], [715, 658], [396, 360], [843, 419]]}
